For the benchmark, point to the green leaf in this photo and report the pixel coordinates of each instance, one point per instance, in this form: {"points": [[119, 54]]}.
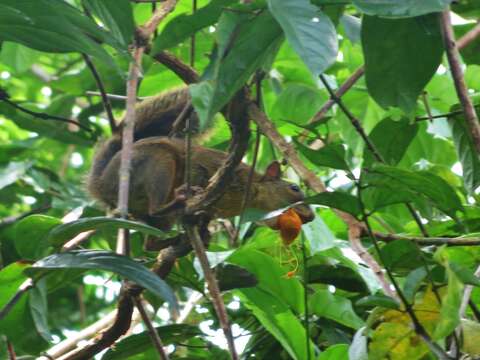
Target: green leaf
{"points": [[31, 235], [140, 343], [271, 276], [449, 314], [335, 352], [391, 139], [278, 319], [67, 231], [352, 26], [107, 261], [117, 16], [400, 8], [340, 276], [319, 236], [38, 307], [12, 172], [337, 308], [401, 255], [184, 25], [424, 183], [252, 46], [18, 323], [413, 281], [20, 58], [338, 200], [467, 153], [297, 103], [396, 70], [331, 155], [53, 26], [234, 277], [464, 274], [309, 31]]}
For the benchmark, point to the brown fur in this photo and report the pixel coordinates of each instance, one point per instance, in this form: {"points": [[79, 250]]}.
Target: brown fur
{"points": [[158, 164]]}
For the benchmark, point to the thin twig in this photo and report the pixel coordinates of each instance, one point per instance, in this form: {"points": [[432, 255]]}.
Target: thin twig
{"points": [[157, 342], [426, 241], [42, 115], [114, 96], [213, 288], [457, 74], [469, 36], [105, 101], [347, 85]]}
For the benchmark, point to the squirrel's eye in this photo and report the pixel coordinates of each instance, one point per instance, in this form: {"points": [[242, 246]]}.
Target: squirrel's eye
{"points": [[294, 187]]}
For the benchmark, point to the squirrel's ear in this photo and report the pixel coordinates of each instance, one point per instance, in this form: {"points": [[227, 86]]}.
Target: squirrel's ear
{"points": [[273, 171]]}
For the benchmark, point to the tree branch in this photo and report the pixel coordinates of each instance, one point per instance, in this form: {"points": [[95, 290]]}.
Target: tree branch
{"points": [[105, 101], [426, 241], [457, 74]]}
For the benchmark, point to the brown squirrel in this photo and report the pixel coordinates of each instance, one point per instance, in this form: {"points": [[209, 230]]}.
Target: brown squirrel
{"points": [[158, 164]]}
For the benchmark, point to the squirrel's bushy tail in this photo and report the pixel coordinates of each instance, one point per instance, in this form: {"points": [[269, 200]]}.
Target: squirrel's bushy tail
{"points": [[154, 117]]}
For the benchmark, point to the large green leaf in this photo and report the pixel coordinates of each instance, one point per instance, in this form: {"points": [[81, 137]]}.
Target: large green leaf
{"points": [[297, 103], [67, 231], [117, 16], [467, 153], [251, 47], [325, 304], [107, 261], [425, 183], [18, 325], [184, 25], [31, 235], [278, 319], [310, 32], [338, 200], [391, 139], [340, 276], [401, 56], [271, 276], [53, 26], [331, 155], [400, 8]]}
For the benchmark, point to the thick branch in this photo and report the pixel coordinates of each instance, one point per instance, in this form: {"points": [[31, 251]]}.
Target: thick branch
{"points": [[182, 70], [457, 74]]}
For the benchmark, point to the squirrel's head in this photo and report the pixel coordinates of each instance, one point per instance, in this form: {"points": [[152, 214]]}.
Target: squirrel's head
{"points": [[274, 193]]}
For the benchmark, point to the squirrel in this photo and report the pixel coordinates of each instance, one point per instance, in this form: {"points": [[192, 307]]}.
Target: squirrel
{"points": [[158, 164]]}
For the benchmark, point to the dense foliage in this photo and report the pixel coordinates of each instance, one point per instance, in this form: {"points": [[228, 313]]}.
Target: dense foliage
{"points": [[398, 154]]}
